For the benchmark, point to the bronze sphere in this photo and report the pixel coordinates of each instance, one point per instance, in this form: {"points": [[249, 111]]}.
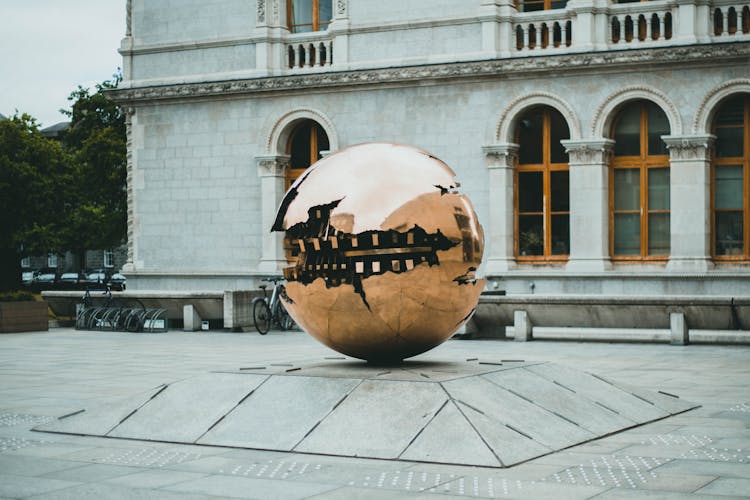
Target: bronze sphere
{"points": [[382, 250]]}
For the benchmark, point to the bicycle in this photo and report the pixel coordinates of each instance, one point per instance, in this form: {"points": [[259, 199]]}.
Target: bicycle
{"points": [[267, 313]]}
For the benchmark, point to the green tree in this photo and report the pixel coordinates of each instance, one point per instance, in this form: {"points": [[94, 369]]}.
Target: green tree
{"points": [[97, 213], [67, 194], [33, 174]]}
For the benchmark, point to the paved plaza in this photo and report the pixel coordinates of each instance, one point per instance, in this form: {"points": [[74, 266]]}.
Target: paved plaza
{"points": [[703, 453]]}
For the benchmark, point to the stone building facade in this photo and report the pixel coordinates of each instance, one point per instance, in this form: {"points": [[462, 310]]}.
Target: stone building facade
{"points": [[604, 145]]}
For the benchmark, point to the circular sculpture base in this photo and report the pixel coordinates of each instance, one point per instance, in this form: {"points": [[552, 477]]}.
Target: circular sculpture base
{"points": [[383, 251]]}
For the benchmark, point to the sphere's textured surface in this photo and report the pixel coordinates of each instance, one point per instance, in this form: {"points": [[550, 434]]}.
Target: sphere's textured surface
{"points": [[383, 251]]}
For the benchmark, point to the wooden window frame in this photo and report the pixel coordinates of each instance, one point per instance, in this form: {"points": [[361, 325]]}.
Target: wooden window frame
{"points": [[317, 24], [293, 172], [546, 167], [643, 162], [744, 160], [547, 4]]}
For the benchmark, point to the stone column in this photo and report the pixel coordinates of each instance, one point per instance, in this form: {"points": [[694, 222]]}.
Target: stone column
{"points": [[501, 160], [272, 173], [496, 17], [690, 202], [692, 22], [589, 24], [271, 28], [339, 29], [130, 189], [589, 204]]}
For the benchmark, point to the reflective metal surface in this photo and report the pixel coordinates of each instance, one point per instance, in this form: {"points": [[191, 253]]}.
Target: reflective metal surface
{"points": [[382, 250]]}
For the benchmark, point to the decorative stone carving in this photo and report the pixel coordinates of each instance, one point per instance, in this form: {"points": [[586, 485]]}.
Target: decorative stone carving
{"points": [[511, 112], [261, 15], [501, 155], [128, 18], [590, 152], [272, 166], [701, 123], [341, 7], [129, 112], [275, 12], [558, 64], [605, 111], [696, 147]]}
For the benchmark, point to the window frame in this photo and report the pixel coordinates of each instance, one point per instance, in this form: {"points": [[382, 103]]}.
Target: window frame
{"points": [[108, 258], [744, 160], [293, 172], [547, 5], [546, 167], [316, 25], [643, 162]]}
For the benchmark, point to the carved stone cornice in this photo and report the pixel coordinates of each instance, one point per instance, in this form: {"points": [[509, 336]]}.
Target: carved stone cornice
{"points": [[497, 68], [589, 152], [689, 147], [272, 165], [501, 155]]}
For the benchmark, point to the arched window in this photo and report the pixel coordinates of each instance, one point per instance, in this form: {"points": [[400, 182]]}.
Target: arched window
{"points": [[730, 180], [542, 194], [305, 143], [639, 184], [308, 15]]}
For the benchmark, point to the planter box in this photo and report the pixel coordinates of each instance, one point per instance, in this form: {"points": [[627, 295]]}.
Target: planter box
{"points": [[23, 317]]}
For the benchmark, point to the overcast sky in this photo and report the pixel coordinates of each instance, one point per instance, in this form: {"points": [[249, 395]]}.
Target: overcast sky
{"points": [[49, 47]]}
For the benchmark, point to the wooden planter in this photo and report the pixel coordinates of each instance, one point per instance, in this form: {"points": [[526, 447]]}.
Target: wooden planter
{"points": [[23, 317]]}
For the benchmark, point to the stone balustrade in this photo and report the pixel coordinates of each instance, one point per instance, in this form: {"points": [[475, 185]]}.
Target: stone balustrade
{"points": [[314, 50], [549, 30]]}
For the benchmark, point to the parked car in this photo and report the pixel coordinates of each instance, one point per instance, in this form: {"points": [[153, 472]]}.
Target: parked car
{"points": [[117, 282], [70, 281], [45, 280], [96, 278], [28, 277]]}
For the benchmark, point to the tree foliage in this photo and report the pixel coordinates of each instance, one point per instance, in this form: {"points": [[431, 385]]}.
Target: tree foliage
{"points": [[68, 194]]}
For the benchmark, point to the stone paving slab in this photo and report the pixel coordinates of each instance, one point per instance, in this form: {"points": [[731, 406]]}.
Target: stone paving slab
{"points": [[280, 413], [391, 411], [185, 410]]}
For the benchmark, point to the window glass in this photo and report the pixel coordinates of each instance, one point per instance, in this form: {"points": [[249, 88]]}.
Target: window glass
{"points": [[731, 112], [300, 150], [729, 142], [558, 132], [728, 186], [627, 234], [530, 235], [301, 15], [627, 189], [326, 11], [658, 125], [729, 233], [560, 234], [627, 134], [658, 234], [530, 137], [530, 191], [559, 185], [658, 189]]}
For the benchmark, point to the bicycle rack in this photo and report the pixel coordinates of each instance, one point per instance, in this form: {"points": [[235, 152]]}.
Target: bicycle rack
{"points": [[117, 318]]}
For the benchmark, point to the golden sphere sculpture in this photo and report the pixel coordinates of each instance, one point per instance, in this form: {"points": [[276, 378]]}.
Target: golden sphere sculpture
{"points": [[383, 250]]}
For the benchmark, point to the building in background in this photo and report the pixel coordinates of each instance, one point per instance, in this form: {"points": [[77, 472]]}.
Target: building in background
{"points": [[605, 145]]}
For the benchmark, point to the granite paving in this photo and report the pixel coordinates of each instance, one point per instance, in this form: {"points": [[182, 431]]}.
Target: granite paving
{"points": [[702, 453]]}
